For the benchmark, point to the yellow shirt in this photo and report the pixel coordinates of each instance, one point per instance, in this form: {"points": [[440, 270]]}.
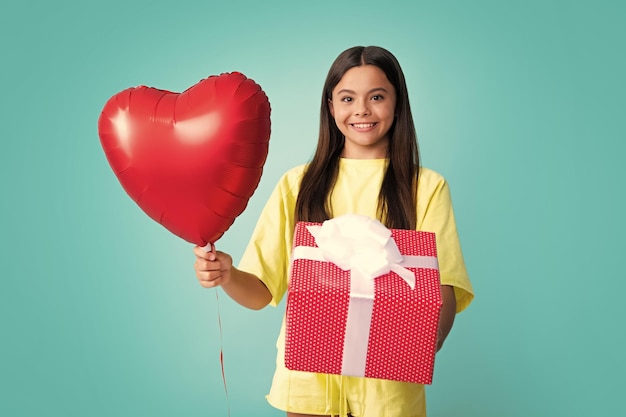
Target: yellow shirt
{"points": [[268, 257], [356, 191]]}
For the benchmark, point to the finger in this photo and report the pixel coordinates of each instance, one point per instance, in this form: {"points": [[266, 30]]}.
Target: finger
{"points": [[201, 253], [197, 250], [210, 280], [210, 284], [212, 253], [203, 265]]}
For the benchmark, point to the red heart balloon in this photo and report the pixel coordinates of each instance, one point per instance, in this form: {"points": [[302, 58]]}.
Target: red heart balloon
{"points": [[190, 160]]}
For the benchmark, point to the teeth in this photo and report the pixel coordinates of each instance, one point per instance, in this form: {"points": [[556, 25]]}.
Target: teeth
{"points": [[363, 125]]}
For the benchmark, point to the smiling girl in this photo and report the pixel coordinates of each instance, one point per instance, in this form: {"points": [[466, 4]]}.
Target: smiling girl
{"points": [[366, 163]]}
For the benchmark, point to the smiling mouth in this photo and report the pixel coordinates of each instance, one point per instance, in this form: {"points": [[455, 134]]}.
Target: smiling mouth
{"points": [[363, 125]]}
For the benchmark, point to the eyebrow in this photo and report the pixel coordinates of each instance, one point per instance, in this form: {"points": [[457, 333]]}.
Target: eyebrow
{"points": [[345, 90]]}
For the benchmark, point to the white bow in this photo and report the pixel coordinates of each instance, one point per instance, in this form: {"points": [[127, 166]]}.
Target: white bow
{"points": [[360, 243]]}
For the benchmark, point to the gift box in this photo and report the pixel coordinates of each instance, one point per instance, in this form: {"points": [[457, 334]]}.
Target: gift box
{"points": [[363, 300]]}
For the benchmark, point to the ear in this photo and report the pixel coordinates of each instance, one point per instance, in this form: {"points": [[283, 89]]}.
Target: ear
{"points": [[331, 108]]}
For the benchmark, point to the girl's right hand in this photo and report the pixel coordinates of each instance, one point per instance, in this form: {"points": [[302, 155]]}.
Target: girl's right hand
{"points": [[212, 268]]}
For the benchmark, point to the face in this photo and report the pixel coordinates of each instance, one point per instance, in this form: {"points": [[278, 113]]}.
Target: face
{"points": [[363, 105]]}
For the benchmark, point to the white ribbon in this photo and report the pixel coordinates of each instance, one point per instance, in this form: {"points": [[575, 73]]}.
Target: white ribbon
{"points": [[363, 246]]}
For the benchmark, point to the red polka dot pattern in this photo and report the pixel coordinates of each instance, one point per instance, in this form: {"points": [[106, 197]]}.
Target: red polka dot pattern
{"points": [[403, 332]]}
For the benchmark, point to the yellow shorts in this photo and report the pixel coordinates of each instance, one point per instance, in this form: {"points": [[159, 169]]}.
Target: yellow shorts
{"points": [[323, 394]]}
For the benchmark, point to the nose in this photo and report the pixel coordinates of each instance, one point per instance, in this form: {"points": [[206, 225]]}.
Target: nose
{"points": [[361, 109]]}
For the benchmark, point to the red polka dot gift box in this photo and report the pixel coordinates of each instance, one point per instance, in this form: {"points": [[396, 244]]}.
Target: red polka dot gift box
{"points": [[363, 300]]}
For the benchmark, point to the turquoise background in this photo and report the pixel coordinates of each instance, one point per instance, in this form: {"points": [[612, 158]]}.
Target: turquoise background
{"points": [[519, 104]]}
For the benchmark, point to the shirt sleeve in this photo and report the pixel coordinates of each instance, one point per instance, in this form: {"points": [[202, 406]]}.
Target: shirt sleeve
{"points": [[437, 215], [269, 249]]}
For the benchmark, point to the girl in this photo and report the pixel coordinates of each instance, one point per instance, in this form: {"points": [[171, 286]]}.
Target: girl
{"points": [[366, 163]]}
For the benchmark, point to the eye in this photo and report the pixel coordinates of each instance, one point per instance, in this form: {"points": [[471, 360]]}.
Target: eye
{"points": [[377, 97], [346, 99]]}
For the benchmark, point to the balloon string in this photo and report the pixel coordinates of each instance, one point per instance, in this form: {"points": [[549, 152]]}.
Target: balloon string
{"points": [[219, 322], [210, 247]]}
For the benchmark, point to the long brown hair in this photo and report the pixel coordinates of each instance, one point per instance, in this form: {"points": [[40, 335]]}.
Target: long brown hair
{"points": [[397, 197]]}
